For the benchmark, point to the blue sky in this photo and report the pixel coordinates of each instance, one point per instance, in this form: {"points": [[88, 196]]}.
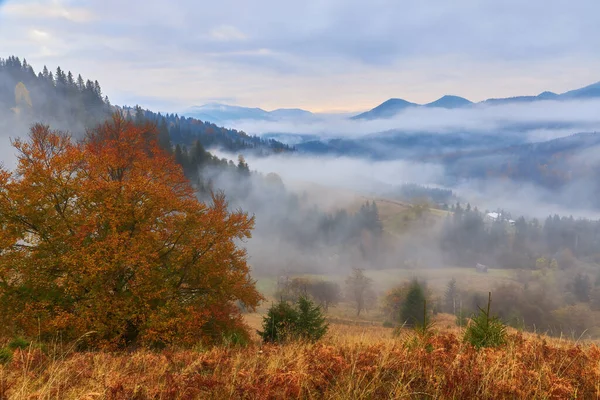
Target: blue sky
{"points": [[321, 55]]}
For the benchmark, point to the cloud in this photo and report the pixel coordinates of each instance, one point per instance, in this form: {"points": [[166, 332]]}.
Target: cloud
{"points": [[344, 172], [227, 33], [320, 55], [536, 121], [47, 10]]}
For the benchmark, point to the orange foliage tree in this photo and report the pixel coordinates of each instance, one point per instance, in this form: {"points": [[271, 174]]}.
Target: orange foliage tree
{"points": [[104, 239]]}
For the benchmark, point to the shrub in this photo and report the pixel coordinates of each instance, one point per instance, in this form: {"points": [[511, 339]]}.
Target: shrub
{"points": [[18, 343], [485, 330], [303, 321], [6, 355]]}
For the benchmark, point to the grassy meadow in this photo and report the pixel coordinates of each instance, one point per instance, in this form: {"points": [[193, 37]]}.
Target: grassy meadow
{"points": [[351, 362]]}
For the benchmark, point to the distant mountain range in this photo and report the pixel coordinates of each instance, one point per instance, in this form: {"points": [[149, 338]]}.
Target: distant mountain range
{"points": [[392, 107], [219, 113], [223, 113]]}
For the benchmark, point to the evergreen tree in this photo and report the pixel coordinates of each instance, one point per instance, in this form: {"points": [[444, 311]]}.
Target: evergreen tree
{"points": [[80, 83], [311, 323], [412, 313], [242, 166]]}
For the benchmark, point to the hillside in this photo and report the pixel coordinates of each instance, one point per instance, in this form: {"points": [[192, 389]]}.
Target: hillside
{"points": [[68, 102]]}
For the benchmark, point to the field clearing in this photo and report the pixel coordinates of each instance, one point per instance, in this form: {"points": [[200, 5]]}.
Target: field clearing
{"points": [[436, 278]]}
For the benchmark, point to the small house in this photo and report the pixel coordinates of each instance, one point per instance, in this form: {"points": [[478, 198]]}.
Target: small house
{"points": [[481, 268]]}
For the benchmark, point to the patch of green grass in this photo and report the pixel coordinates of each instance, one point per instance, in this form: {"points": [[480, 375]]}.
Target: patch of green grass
{"points": [[18, 343], [6, 355]]}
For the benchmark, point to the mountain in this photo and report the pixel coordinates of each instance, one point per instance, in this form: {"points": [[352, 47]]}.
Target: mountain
{"points": [[216, 112], [386, 109], [290, 113], [522, 99], [585, 92], [392, 107], [450, 101], [221, 113]]}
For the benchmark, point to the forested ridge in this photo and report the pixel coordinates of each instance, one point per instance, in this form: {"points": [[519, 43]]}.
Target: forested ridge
{"points": [[67, 101]]}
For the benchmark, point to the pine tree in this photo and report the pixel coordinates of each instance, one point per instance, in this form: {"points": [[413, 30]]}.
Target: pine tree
{"points": [[278, 325], [242, 166], [411, 313], [311, 323], [70, 80], [485, 330], [80, 83]]}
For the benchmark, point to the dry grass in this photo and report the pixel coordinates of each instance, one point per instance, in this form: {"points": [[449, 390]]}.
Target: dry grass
{"points": [[352, 362]]}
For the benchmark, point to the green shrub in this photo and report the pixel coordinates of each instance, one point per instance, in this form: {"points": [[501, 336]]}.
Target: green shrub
{"points": [[236, 338], [388, 324], [485, 330], [18, 343], [6, 355], [279, 322], [302, 321]]}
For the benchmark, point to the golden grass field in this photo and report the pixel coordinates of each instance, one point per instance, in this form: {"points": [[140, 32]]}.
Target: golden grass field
{"points": [[351, 362]]}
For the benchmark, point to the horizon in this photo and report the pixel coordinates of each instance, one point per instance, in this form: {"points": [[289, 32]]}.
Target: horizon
{"points": [[261, 57], [383, 101]]}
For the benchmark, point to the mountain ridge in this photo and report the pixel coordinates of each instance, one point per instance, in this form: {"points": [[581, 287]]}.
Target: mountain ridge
{"points": [[387, 109]]}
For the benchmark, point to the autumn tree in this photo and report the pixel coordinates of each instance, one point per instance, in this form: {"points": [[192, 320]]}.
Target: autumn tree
{"points": [[357, 285], [105, 239], [325, 292]]}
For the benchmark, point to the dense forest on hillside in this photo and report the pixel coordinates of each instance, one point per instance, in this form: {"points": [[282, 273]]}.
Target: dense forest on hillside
{"points": [[187, 131], [58, 98], [69, 102]]}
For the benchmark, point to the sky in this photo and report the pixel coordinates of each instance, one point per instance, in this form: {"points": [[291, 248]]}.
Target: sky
{"points": [[320, 55]]}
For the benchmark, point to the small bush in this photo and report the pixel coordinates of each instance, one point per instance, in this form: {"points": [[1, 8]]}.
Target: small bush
{"points": [[303, 321], [6, 355], [485, 330], [388, 324], [18, 343]]}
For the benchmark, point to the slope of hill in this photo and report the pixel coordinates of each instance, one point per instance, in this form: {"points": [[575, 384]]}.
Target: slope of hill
{"points": [[585, 92], [185, 131]]}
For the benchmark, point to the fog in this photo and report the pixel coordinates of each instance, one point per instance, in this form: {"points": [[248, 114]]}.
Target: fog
{"points": [[537, 121]]}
